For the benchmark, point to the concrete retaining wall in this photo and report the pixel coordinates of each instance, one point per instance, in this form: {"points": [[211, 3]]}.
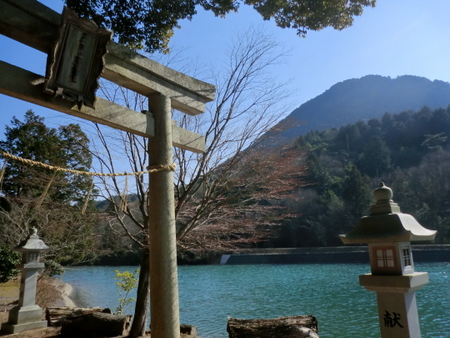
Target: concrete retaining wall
{"points": [[335, 255]]}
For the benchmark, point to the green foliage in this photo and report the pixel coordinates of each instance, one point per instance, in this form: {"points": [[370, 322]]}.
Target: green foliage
{"points": [[434, 142], [318, 173], [149, 24], [66, 147], [53, 268], [126, 282], [8, 262], [356, 194], [375, 158], [377, 147]]}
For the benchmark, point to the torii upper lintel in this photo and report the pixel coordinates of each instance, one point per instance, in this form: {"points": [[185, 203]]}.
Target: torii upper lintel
{"points": [[36, 25]]}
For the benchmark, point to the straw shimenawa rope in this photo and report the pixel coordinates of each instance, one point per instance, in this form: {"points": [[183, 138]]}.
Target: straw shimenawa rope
{"points": [[150, 169]]}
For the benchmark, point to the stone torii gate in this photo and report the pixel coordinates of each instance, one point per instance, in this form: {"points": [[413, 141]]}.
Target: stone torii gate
{"points": [[36, 25]]}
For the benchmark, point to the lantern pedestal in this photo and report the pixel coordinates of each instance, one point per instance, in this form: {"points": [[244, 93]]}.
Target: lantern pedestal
{"points": [[24, 318], [397, 307]]}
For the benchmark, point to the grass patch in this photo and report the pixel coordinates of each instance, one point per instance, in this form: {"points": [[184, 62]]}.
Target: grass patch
{"points": [[10, 288]]}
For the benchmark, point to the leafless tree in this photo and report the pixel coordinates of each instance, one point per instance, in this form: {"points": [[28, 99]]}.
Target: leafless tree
{"points": [[224, 182], [243, 206]]}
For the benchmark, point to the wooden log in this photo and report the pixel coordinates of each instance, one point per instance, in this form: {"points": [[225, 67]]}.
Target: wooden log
{"points": [[188, 330], [95, 324], [55, 315], [282, 327]]}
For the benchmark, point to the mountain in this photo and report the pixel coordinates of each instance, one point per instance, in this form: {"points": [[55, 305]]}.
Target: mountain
{"points": [[362, 99]]}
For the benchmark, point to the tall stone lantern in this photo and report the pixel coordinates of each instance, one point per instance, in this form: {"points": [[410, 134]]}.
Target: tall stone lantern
{"points": [[27, 315], [389, 233]]}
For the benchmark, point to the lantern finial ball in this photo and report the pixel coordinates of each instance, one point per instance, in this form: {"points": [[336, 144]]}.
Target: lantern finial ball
{"points": [[383, 193]]}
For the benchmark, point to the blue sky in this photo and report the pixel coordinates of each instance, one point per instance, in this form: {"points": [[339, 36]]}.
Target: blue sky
{"points": [[397, 37]]}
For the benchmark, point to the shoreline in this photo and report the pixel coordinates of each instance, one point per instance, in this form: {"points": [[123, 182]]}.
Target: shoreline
{"points": [[65, 292]]}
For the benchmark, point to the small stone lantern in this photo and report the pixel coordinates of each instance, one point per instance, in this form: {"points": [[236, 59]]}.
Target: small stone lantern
{"points": [[27, 315], [389, 233]]}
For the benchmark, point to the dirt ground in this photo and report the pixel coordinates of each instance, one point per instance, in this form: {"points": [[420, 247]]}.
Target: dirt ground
{"points": [[49, 294]]}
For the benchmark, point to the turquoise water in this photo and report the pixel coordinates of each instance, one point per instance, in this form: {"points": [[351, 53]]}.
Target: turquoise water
{"points": [[209, 294]]}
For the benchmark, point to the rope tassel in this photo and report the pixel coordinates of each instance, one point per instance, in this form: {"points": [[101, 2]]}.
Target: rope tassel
{"points": [[2, 173], [86, 202], [123, 197], [47, 188]]}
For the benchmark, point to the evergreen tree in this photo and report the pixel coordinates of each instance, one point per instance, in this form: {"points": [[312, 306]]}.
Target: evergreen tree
{"points": [[376, 158], [356, 194], [349, 138], [317, 173], [65, 147]]}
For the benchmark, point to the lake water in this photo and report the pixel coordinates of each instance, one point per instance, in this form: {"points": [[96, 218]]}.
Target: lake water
{"points": [[209, 294]]}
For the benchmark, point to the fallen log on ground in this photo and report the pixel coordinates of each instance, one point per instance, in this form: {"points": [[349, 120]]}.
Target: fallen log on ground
{"points": [[282, 327], [95, 324]]}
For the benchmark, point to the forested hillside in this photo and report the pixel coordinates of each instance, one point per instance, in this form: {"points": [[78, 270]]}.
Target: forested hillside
{"points": [[337, 170], [409, 151], [361, 99]]}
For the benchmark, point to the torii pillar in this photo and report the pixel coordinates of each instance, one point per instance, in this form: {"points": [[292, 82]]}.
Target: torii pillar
{"points": [[165, 321]]}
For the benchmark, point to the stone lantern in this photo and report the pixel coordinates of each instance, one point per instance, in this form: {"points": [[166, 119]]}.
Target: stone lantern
{"points": [[389, 233], [27, 315]]}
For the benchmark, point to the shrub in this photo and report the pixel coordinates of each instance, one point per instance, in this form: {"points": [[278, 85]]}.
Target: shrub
{"points": [[8, 262]]}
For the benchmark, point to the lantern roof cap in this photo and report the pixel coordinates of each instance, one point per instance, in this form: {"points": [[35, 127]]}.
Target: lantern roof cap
{"points": [[32, 243], [383, 201], [386, 223]]}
